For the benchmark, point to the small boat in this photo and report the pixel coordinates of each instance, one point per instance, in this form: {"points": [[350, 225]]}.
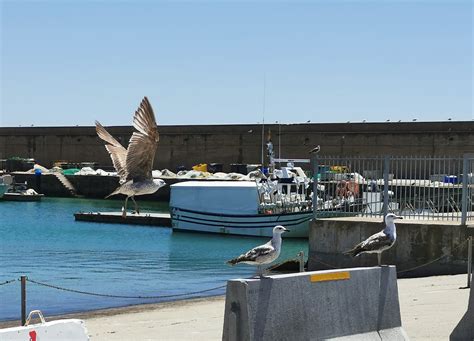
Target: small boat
{"points": [[20, 192]]}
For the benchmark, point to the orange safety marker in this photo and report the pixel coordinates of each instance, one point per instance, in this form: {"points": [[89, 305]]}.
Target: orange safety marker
{"points": [[331, 276]]}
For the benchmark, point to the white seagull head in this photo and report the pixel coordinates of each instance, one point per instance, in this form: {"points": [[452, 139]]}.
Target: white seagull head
{"points": [[390, 218], [280, 229]]}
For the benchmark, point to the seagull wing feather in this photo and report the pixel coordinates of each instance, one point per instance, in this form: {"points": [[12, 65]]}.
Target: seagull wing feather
{"points": [[117, 152], [143, 143], [253, 254], [374, 242]]}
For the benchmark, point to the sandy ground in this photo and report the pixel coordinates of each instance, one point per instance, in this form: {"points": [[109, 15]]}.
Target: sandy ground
{"points": [[430, 308]]}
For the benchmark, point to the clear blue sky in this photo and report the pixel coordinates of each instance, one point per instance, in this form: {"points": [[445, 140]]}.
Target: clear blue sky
{"points": [[72, 62]]}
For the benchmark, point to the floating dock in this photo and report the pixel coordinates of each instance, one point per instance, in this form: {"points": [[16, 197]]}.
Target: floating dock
{"points": [[150, 219]]}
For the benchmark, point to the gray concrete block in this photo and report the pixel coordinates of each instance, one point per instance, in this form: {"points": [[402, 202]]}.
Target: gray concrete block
{"points": [[464, 331], [371, 336], [393, 334], [315, 306], [418, 243]]}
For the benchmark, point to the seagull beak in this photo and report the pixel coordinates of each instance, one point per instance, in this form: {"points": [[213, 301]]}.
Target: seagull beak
{"points": [[286, 230], [398, 217]]}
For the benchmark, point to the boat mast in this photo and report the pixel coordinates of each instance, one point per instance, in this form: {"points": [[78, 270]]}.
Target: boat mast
{"points": [[263, 117]]}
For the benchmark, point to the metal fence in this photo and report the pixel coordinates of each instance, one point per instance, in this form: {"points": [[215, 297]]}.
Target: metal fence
{"points": [[434, 188]]}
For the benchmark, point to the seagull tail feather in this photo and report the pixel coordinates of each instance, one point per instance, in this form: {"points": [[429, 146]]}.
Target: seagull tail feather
{"points": [[354, 252], [235, 260], [117, 191], [232, 262]]}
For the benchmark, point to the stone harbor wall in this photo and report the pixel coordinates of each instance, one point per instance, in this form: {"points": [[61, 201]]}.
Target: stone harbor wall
{"points": [[237, 144]]}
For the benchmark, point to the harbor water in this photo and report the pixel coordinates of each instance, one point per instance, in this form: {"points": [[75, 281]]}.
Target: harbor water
{"points": [[43, 241]]}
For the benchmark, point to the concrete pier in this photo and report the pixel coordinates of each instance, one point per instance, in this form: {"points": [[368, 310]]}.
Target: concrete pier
{"points": [[151, 219], [423, 248]]}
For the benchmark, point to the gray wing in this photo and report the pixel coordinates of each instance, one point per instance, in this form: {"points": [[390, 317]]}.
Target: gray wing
{"points": [[253, 254], [117, 152], [257, 252], [376, 242], [142, 146]]}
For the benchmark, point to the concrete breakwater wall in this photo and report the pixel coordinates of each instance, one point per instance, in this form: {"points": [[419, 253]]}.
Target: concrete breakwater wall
{"points": [[227, 144], [418, 243], [90, 186]]}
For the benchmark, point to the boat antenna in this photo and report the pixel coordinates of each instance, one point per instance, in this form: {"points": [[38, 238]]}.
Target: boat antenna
{"points": [[263, 115]]}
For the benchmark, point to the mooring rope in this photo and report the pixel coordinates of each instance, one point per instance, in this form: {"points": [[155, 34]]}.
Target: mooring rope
{"points": [[327, 264], [7, 282], [123, 296], [434, 260]]}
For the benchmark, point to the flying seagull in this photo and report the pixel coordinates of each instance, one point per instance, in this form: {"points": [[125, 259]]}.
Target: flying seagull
{"points": [[263, 254], [379, 242], [134, 164]]}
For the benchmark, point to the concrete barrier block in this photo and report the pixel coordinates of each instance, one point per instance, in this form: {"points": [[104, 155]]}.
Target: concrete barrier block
{"points": [[352, 304], [465, 328]]}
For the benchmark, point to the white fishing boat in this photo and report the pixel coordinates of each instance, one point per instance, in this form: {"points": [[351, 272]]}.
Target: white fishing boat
{"points": [[234, 207]]}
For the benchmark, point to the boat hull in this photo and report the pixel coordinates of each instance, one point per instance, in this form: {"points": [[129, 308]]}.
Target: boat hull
{"points": [[3, 189], [259, 225], [21, 197]]}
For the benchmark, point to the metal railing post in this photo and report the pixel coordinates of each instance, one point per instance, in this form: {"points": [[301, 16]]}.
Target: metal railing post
{"points": [[23, 300], [386, 169], [469, 261], [464, 189], [301, 261], [315, 171]]}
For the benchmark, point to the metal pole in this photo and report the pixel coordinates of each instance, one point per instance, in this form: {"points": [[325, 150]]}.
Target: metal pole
{"points": [[279, 142], [263, 117], [464, 189], [469, 261], [301, 260], [315, 171], [386, 166], [23, 300]]}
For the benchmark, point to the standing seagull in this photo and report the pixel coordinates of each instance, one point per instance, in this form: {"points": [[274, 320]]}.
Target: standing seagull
{"points": [[379, 242], [134, 164], [262, 254]]}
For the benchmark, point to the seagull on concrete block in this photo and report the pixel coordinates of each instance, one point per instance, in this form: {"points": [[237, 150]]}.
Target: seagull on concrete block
{"points": [[134, 164], [263, 254], [379, 242]]}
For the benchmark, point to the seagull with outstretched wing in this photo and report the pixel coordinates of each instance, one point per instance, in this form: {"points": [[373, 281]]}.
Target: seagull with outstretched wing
{"points": [[134, 164]]}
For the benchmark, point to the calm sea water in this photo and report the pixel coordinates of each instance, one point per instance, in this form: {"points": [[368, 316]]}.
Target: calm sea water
{"points": [[42, 240]]}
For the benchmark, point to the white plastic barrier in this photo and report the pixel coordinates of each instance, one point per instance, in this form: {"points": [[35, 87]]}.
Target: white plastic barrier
{"points": [[61, 330]]}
